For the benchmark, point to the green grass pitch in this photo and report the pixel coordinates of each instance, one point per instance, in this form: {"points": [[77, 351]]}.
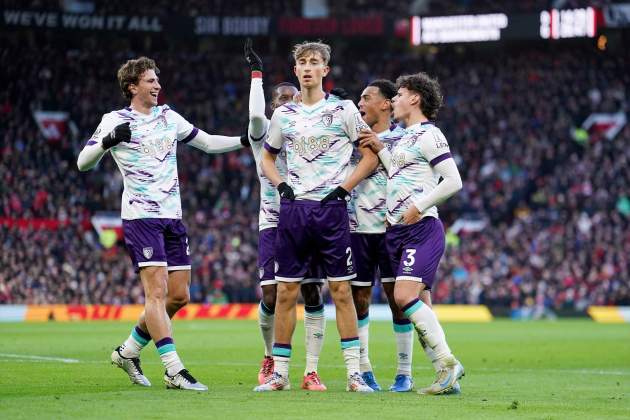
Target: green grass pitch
{"points": [[543, 370]]}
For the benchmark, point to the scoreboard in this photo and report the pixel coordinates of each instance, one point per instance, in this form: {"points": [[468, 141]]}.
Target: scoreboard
{"points": [[548, 24]]}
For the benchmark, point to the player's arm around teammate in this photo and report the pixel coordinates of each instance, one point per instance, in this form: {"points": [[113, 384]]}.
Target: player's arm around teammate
{"points": [[314, 321], [142, 139], [319, 132], [415, 239]]}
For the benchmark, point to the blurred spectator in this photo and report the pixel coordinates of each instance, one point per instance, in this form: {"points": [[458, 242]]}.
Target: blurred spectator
{"points": [[557, 234]]}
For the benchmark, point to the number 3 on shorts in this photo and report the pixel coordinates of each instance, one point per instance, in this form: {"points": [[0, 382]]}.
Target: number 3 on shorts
{"points": [[410, 260], [349, 260]]}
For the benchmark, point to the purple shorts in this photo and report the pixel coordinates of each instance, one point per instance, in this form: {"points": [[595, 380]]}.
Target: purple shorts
{"points": [[311, 232], [370, 254], [266, 260], [415, 250], [157, 242]]}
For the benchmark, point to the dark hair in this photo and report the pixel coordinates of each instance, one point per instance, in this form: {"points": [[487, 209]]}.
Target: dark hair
{"points": [[431, 99], [386, 87], [274, 90], [130, 72]]}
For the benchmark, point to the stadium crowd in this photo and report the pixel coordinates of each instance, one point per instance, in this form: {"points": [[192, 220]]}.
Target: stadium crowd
{"points": [[556, 210]]}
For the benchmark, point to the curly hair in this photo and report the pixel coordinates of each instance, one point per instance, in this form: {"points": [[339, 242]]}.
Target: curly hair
{"points": [[130, 72], [431, 99]]}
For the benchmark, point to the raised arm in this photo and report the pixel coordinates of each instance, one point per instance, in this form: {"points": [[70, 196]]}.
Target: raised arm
{"points": [[257, 120]]}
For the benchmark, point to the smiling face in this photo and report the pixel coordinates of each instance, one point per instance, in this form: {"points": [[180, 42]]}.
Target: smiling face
{"points": [[310, 69], [145, 92]]}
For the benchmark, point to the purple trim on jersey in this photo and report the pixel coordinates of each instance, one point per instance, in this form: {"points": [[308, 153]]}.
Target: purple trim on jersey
{"points": [[91, 142], [128, 109], [256, 139], [271, 149], [191, 136], [288, 109], [440, 158], [125, 116]]}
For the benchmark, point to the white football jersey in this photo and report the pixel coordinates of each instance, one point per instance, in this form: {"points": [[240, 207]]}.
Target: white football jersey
{"points": [[148, 162], [269, 197], [319, 143], [411, 173], [368, 207]]}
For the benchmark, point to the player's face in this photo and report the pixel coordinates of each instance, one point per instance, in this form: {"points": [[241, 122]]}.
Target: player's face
{"points": [[147, 89], [310, 70], [404, 101], [282, 95], [372, 105]]}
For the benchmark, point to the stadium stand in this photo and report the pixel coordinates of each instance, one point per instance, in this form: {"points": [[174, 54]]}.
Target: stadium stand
{"points": [[556, 209]]}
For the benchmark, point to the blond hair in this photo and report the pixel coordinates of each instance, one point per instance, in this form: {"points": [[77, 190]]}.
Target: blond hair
{"points": [[306, 47]]}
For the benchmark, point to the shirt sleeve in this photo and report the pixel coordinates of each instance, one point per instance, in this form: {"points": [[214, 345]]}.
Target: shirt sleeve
{"points": [[185, 130], [275, 140], [93, 150], [257, 120], [215, 144], [353, 123], [434, 147]]}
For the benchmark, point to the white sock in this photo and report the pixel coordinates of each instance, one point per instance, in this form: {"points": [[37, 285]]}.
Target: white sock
{"points": [[136, 341], [314, 328], [428, 327], [351, 350], [403, 329], [281, 356], [265, 322], [364, 338], [169, 356], [428, 351]]}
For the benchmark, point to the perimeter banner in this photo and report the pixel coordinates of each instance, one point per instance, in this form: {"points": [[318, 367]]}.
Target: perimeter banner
{"points": [[249, 311]]}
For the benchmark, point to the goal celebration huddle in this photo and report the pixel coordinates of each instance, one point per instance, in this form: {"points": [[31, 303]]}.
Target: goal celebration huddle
{"points": [[348, 195]]}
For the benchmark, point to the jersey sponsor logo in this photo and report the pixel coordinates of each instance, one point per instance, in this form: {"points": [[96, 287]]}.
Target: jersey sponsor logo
{"points": [[399, 159], [305, 146], [96, 133], [439, 144], [147, 252]]}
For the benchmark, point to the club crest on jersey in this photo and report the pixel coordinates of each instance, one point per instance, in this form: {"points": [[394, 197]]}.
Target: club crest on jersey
{"points": [[147, 252], [327, 119]]}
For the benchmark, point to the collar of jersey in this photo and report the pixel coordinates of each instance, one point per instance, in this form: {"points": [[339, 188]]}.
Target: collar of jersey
{"points": [[141, 115], [418, 125], [316, 105]]}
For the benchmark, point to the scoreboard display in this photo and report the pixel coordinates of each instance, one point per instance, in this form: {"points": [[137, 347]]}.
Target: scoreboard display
{"points": [[548, 24]]}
